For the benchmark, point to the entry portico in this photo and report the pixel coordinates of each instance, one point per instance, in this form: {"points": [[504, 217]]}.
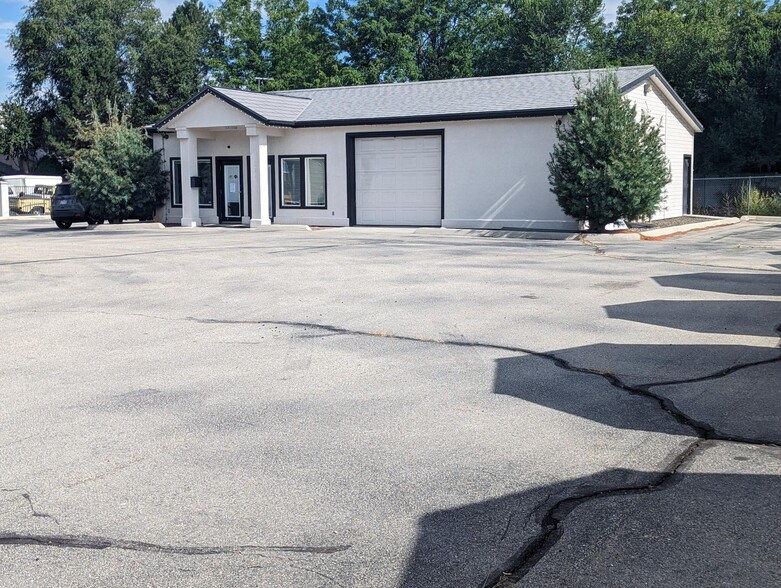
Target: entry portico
{"points": [[258, 193], [219, 164]]}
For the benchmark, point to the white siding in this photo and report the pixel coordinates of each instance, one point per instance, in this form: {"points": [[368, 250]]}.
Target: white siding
{"points": [[495, 172], [678, 139]]}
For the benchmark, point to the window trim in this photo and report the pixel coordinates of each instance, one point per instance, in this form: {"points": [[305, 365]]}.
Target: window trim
{"points": [[302, 159], [173, 160]]}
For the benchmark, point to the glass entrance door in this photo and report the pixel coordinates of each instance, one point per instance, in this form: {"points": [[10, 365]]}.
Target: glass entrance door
{"points": [[231, 190], [232, 179]]}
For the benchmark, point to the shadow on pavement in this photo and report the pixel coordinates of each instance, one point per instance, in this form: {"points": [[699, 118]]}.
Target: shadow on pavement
{"points": [[741, 404], [755, 284], [691, 531], [739, 317]]}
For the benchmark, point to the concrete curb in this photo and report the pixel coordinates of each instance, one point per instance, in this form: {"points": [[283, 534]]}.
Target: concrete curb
{"points": [[145, 226], [763, 219], [681, 229], [658, 234], [497, 233]]}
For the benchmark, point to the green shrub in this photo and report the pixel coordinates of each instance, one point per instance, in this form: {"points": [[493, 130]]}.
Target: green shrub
{"points": [[117, 176], [609, 163], [753, 201]]}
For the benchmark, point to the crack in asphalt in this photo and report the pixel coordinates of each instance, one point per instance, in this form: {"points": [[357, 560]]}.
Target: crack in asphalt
{"points": [[33, 512], [523, 562], [36, 513], [551, 523], [95, 542], [701, 429], [715, 376]]}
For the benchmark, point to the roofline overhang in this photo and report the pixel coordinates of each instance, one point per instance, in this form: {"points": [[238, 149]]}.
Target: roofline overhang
{"points": [[670, 94], [445, 117]]}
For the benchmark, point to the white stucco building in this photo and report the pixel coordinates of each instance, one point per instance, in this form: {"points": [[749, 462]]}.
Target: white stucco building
{"points": [[466, 153]]}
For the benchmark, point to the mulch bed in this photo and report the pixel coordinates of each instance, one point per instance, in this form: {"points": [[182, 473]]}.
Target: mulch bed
{"points": [[663, 223]]}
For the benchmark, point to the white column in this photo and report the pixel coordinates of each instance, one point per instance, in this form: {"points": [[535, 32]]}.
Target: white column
{"points": [[258, 169], [188, 150]]}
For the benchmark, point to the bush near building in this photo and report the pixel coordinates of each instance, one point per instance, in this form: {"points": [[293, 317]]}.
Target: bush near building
{"points": [[117, 175], [609, 162]]}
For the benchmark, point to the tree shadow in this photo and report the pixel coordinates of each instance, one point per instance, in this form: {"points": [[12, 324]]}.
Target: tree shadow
{"points": [[731, 518], [740, 317], [754, 284], [745, 403], [540, 382]]}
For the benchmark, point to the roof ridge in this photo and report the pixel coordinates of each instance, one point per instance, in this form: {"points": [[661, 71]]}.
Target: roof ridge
{"points": [[449, 80]]}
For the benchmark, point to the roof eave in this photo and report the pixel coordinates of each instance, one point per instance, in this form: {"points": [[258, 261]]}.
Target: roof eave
{"points": [[654, 73], [444, 117]]}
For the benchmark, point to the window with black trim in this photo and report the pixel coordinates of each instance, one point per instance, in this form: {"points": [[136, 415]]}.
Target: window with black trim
{"points": [[303, 181], [205, 192]]}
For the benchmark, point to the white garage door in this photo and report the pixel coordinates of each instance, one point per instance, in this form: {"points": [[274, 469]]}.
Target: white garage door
{"points": [[398, 181]]}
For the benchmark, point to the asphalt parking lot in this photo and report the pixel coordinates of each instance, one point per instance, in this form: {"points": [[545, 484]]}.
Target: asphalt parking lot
{"points": [[388, 408]]}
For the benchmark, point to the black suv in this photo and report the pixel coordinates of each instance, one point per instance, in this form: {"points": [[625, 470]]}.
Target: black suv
{"points": [[66, 209]]}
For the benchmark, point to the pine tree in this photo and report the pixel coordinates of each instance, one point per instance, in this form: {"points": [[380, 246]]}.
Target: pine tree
{"points": [[609, 163]]}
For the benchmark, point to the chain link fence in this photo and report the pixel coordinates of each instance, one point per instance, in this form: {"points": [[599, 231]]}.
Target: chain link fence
{"points": [[738, 196]]}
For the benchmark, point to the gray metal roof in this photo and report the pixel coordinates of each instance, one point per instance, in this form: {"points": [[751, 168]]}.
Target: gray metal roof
{"points": [[466, 98], [515, 93]]}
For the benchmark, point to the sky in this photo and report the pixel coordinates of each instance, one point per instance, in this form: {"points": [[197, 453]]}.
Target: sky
{"points": [[11, 11]]}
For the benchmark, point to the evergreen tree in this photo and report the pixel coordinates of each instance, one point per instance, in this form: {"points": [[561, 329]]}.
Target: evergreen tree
{"points": [[117, 175], [608, 164]]}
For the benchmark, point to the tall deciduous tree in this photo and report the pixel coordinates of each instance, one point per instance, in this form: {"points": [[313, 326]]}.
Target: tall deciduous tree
{"points": [[722, 56], [239, 57], [16, 134], [173, 64], [72, 55], [609, 163], [299, 49], [548, 35], [403, 40]]}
